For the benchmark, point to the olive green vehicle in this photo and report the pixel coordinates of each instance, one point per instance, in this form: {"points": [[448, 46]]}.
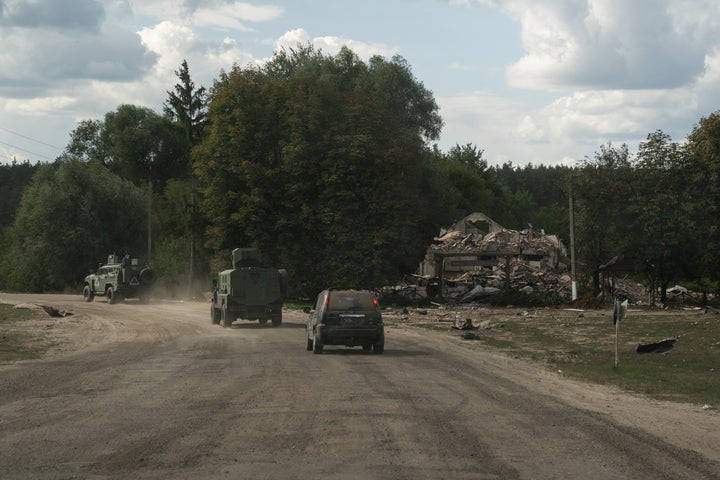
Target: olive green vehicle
{"points": [[120, 278], [248, 291]]}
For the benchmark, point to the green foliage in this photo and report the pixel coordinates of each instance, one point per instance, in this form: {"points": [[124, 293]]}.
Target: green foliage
{"points": [[71, 216], [135, 143], [703, 193], [187, 105], [13, 179], [311, 160], [600, 191]]}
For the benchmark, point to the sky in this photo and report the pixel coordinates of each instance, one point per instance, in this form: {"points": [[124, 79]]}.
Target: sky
{"points": [[545, 82]]}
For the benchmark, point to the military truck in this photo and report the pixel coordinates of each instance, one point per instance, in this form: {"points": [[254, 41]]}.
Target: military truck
{"points": [[120, 278], [248, 291]]}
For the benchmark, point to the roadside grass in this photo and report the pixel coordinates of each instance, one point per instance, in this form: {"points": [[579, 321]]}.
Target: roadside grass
{"points": [[16, 344], [582, 346]]}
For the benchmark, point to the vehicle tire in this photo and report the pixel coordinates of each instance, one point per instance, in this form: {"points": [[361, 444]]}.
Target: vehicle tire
{"points": [[225, 320], [214, 314], [88, 294], [317, 346], [111, 295], [379, 347], [277, 320]]}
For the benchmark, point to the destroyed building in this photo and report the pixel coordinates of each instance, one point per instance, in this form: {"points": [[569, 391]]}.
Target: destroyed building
{"points": [[478, 257]]}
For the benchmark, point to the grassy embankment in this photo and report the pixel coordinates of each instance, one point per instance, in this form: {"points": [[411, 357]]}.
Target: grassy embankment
{"points": [[581, 344]]}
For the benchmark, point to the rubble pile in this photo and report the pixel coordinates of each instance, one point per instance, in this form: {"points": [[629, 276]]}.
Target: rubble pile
{"points": [[465, 267]]}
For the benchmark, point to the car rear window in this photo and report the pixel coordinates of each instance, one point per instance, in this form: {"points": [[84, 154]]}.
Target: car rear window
{"points": [[340, 300]]}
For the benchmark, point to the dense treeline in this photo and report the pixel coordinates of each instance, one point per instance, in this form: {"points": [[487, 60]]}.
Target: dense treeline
{"points": [[325, 163]]}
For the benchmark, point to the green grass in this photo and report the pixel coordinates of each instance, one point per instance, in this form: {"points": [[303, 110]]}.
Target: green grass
{"points": [[582, 346], [18, 345]]}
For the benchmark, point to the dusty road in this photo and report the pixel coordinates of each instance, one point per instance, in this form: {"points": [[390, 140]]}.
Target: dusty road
{"points": [[155, 391]]}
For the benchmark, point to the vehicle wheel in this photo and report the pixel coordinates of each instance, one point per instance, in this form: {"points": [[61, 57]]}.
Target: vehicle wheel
{"points": [[379, 347], [277, 320], [88, 294], [225, 319], [111, 296], [317, 346], [367, 348], [214, 314]]}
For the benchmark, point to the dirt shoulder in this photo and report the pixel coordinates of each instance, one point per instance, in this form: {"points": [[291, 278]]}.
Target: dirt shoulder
{"points": [[688, 426]]}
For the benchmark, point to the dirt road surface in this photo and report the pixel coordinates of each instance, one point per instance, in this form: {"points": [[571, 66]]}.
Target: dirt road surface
{"points": [[158, 392]]}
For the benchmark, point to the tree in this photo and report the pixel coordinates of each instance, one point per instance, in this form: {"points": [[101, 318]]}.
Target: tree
{"points": [[187, 106], [71, 216], [658, 214], [600, 189], [703, 181], [312, 160]]}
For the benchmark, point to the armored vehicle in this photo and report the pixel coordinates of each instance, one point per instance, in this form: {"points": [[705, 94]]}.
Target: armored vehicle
{"points": [[248, 291], [120, 278]]}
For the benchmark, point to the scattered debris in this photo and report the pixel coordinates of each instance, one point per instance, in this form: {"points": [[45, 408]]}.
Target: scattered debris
{"points": [[658, 347], [477, 257], [467, 325], [54, 312], [470, 336]]}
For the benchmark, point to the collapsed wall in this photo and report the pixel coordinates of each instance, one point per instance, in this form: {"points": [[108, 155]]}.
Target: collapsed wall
{"points": [[478, 258]]}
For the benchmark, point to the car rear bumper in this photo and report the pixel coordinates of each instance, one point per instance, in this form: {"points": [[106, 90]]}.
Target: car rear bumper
{"points": [[339, 335]]}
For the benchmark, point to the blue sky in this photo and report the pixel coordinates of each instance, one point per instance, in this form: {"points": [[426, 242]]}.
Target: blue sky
{"points": [[541, 81]]}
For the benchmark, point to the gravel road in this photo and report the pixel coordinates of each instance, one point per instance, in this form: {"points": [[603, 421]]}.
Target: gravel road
{"points": [[158, 392]]}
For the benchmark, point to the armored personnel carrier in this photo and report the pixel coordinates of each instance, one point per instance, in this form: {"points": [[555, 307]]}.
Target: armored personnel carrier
{"points": [[120, 278], [248, 291]]}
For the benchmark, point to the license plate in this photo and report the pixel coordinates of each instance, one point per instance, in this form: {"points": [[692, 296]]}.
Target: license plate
{"points": [[352, 319]]}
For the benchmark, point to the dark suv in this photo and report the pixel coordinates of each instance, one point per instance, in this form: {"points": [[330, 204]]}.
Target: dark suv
{"points": [[346, 317]]}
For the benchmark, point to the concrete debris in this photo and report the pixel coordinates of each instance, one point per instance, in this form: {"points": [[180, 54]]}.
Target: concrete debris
{"points": [[477, 258]]}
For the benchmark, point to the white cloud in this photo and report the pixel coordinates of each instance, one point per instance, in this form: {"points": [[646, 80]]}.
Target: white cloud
{"points": [[610, 43], [222, 14], [331, 45]]}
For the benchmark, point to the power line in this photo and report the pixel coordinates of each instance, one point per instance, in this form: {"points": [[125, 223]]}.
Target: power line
{"points": [[29, 138], [26, 151]]}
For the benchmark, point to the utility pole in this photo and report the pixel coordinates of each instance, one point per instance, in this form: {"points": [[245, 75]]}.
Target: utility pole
{"points": [[149, 209], [572, 244]]}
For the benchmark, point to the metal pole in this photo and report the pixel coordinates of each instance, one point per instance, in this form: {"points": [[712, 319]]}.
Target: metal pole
{"points": [[572, 245]]}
